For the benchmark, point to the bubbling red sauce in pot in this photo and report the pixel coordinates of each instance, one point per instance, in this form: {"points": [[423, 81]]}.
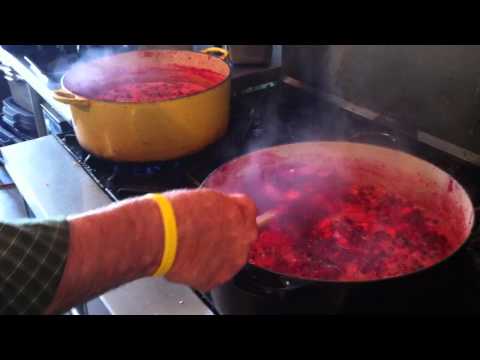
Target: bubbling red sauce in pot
{"points": [[157, 84], [330, 228]]}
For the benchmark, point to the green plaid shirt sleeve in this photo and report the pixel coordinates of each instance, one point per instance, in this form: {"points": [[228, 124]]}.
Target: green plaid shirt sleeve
{"points": [[33, 254]]}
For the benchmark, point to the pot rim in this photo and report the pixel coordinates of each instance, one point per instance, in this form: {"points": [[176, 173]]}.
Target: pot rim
{"points": [[226, 79]]}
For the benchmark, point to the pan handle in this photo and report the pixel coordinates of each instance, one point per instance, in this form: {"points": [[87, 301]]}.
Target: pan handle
{"points": [[69, 98], [476, 226], [253, 281], [375, 138], [224, 54]]}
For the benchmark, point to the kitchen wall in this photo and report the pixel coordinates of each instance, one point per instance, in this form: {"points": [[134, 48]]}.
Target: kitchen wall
{"points": [[431, 87]]}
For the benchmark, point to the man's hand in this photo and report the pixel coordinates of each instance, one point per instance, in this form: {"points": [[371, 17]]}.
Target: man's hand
{"points": [[214, 236]]}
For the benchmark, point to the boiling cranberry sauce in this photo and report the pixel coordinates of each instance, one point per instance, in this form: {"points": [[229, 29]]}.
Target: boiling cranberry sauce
{"points": [[331, 228], [157, 84]]}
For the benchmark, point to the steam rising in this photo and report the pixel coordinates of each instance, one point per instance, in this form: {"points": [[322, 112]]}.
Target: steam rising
{"points": [[87, 79], [311, 117], [89, 55]]}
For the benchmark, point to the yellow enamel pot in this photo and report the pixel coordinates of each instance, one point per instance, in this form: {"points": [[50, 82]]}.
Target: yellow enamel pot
{"points": [[150, 131]]}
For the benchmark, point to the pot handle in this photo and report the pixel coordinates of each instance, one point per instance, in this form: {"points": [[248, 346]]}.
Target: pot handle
{"points": [[225, 54], [254, 282], [69, 98]]}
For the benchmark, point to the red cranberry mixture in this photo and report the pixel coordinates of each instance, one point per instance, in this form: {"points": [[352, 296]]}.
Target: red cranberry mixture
{"points": [[331, 229], [159, 84]]}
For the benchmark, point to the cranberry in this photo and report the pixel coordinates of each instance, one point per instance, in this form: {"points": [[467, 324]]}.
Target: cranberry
{"points": [[155, 84], [329, 229]]}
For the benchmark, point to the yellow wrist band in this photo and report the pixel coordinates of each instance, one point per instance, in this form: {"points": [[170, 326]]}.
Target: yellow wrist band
{"points": [[170, 234]]}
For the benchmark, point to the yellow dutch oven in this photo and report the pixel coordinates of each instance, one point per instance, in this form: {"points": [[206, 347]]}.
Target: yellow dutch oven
{"points": [[149, 131]]}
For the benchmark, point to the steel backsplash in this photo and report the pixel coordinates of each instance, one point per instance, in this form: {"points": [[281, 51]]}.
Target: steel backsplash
{"points": [[431, 88]]}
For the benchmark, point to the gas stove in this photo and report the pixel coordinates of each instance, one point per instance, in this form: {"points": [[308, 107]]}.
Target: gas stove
{"points": [[275, 114]]}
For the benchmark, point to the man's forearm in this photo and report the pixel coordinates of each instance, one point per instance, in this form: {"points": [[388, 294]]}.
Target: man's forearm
{"points": [[109, 247], [124, 242]]}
